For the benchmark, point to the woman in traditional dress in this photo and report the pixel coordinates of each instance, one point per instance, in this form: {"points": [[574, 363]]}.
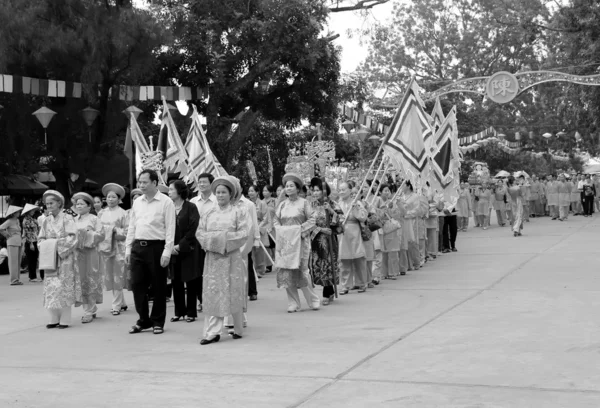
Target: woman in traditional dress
{"points": [[293, 217], [390, 235], [564, 197], [516, 202], [432, 224], [463, 207], [552, 197], [112, 249], [324, 240], [259, 258], [410, 257], [62, 286], [11, 230], [483, 196], [499, 196], [98, 205], [271, 202], [31, 230], [222, 232], [372, 245], [90, 234], [184, 270], [353, 261]]}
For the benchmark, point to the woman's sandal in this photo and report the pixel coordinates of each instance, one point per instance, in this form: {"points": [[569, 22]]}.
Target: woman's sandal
{"points": [[190, 319], [176, 319], [116, 312], [158, 330], [135, 329]]}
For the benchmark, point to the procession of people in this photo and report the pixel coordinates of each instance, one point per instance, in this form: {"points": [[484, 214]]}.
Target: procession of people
{"points": [[215, 246]]}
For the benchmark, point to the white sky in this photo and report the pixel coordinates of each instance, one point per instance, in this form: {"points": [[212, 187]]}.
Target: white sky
{"points": [[353, 52]]}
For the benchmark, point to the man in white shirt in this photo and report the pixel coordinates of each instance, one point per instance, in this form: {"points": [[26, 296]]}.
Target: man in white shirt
{"points": [[205, 200], [150, 240]]}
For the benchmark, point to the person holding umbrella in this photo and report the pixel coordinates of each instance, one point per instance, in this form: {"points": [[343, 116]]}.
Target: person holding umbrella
{"points": [[11, 230], [29, 237]]}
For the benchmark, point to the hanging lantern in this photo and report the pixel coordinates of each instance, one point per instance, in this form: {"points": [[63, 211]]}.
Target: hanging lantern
{"points": [[348, 125], [361, 134], [518, 136], [375, 140], [132, 109], [561, 133], [44, 116], [578, 136], [547, 135], [89, 115]]}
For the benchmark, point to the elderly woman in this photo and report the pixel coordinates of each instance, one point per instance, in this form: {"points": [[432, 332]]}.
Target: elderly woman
{"points": [[90, 234], [222, 232], [58, 242], [294, 220], [11, 230], [112, 249], [324, 239], [353, 261], [185, 269]]}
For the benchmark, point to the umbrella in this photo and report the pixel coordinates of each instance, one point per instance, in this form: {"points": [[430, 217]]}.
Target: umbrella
{"points": [[21, 185], [503, 173]]}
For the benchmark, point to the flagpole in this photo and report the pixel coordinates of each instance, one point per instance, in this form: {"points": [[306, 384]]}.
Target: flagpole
{"points": [[382, 176], [346, 216], [375, 178]]}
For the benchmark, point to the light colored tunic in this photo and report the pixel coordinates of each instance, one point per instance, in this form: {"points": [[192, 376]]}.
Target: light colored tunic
{"points": [[112, 249], [412, 205], [222, 232], [463, 207], [63, 290], [297, 212], [516, 204], [483, 205], [552, 192], [564, 193], [391, 242], [351, 243], [499, 195], [88, 259]]}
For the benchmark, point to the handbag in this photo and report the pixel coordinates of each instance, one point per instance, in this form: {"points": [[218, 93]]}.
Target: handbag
{"points": [[365, 232], [374, 222], [391, 226]]}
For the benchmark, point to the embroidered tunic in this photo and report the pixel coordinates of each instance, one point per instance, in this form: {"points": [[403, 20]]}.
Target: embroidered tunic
{"points": [[289, 213], [63, 290], [324, 248], [222, 232], [351, 243], [88, 259]]}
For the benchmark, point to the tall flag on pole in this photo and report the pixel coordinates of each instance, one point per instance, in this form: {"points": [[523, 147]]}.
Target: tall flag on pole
{"points": [[176, 156], [194, 145], [437, 115], [445, 160], [270, 167], [135, 147], [409, 134], [200, 158]]}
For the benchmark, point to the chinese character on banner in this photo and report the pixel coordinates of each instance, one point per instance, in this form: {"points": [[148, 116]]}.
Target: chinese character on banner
{"points": [[502, 87]]}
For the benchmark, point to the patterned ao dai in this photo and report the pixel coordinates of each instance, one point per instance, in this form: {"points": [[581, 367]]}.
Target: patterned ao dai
{"points": [[64, 289], [88, 259], [112, 249], [324, 248], [289, 213], [222, 232]]}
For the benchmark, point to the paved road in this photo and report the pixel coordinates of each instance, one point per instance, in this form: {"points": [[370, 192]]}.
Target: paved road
{"points": [[505, 322]]}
